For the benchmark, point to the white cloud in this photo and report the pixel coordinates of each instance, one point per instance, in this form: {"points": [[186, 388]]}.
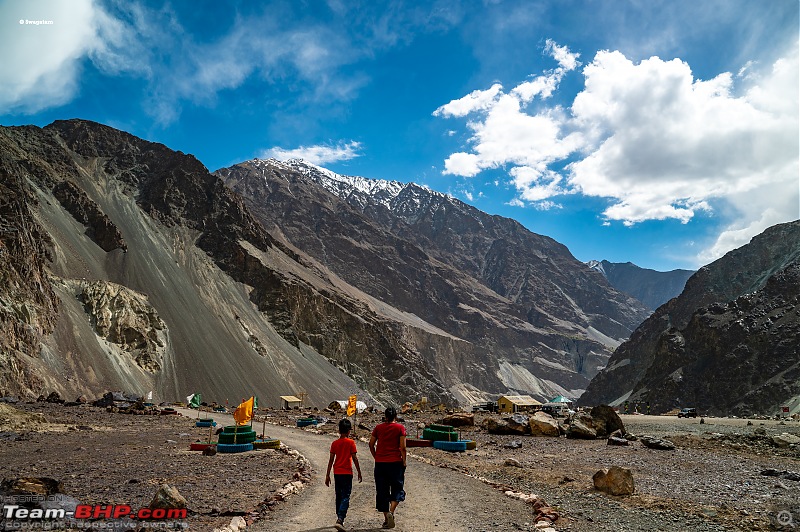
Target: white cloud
{"points": [[516, 202], [320, 154], [658, 142], [41, 63], [477, 100]]}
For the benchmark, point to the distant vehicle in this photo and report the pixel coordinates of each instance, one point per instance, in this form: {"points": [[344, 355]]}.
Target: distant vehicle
{"points": [[490, 406], [688, 412]]}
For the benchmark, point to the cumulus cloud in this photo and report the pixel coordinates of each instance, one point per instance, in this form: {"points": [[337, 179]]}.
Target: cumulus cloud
{"points": [[320, 154], [649, 136], [506, 134]]}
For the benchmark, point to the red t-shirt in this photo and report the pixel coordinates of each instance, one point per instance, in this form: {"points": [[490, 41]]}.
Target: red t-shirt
{"points": [[388, 445], [344, 449]]}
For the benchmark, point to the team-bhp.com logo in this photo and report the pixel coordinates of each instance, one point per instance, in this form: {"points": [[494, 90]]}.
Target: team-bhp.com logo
{"points": [[19, 517]]}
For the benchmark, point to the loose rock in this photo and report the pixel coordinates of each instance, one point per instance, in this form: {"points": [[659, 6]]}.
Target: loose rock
{"points": [[656, 443], [615, 481]]}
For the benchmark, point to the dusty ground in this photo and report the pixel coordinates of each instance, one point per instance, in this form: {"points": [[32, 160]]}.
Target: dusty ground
{"points": [[104, 458], [712, 481]]}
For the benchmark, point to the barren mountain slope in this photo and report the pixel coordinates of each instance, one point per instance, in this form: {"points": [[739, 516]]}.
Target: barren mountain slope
{"points": [[531, 318], [128, 266], [653, 288], [728, 343]]}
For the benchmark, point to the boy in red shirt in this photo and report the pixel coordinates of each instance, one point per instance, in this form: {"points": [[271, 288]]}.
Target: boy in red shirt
{"points": [[342, 451]]}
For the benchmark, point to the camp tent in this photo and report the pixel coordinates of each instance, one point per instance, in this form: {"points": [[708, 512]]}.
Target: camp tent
{"points": [[561, 399], [290, 401], [516, 403], [360, 405]]}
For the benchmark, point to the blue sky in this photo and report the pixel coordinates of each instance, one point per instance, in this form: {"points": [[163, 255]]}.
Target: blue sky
{"points": [[662, 133]]}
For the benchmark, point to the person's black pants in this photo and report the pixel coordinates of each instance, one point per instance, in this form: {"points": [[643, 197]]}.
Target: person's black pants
{"points": [[389, 479]]}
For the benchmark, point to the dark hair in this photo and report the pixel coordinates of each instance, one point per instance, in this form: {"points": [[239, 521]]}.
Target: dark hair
{"points": [[345, 426], [390, 413]]}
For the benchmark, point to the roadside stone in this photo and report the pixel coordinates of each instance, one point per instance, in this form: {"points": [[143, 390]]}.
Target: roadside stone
{"points": [[581, 428], [785, 440], [513, 462], [656, 443], [210, 451], [543, 424], [168, 497], [605, 420], [513, 444], [458, 419], [788, 475], [614, 440], [519, 424], [614, 481], [508, 425]]}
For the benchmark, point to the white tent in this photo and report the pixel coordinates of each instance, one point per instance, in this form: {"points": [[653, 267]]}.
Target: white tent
{"points": [[360, 406]]}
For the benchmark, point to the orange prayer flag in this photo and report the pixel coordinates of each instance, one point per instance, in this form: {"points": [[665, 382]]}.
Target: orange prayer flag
{"points": [[351, 405], [244, 412]]}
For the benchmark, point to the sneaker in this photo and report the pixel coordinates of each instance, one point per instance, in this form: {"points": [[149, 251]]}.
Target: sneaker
{"points": [[385, 525], [390, 520], [339, 525]]}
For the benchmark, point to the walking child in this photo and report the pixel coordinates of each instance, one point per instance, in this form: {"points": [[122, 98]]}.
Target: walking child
{"points": [[343, 455]]}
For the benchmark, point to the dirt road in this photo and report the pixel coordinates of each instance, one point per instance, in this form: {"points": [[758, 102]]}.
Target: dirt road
{"points": [[437, 499]]}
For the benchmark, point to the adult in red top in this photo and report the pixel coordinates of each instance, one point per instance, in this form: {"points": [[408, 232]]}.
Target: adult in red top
{"points": [[388, 446]]}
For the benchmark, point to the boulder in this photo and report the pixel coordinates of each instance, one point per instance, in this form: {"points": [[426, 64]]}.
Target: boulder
{"points": [[505, 426], [31, 486], [519, 424], [785, 439], [581, 428], [656, 443], [605, 420], [209, 451], [614, 481], [54, 397], [458, 419], [168, 497], [543, 424]]}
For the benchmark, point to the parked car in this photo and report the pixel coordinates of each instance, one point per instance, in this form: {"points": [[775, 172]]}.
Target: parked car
{"points": [[688, 412]]}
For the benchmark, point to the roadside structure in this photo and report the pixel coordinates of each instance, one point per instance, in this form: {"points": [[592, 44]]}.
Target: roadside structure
{"points": [[517, 403]]}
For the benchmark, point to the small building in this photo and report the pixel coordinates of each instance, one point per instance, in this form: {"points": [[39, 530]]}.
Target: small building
{"points": [[290, 401], [517, 403]]}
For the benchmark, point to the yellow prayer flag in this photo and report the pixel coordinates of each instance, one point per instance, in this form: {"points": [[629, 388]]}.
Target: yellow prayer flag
{"points": [[351, 405], [244, 412]]}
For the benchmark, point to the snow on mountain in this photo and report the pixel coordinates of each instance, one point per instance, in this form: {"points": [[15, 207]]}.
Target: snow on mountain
{"points": [[403, 198]]}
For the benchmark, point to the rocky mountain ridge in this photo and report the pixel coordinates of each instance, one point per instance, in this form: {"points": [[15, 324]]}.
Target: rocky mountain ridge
{"points": [[651, 287], [525, 315], [200, 297], [727, 344]]}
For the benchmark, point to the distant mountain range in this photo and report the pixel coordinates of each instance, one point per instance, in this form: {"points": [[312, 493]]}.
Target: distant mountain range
{"points": [[651, 287], [521, 312], [729, 344], [127, 265]]}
